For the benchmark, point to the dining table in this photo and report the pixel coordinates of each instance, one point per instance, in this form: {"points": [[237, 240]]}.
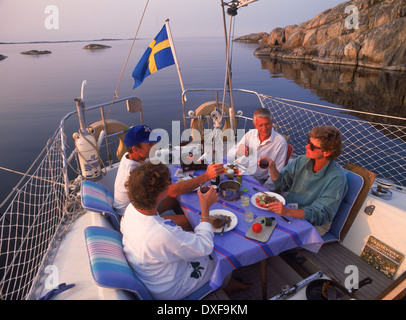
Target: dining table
{"points": [[233, 249]]}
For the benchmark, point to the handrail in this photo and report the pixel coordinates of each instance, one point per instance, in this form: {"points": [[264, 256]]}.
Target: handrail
{"points": [[216, 90], [63, 138], [340, 109], [259, 95]]}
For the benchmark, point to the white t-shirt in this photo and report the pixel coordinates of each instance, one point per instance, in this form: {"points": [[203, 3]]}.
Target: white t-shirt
{"points": [[275, 148], [121, 200], [170, 262]]}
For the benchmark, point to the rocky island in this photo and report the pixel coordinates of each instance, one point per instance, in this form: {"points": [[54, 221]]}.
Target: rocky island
{"points": [[36, 52], [94, 46], [365, 33], [2, 57]]}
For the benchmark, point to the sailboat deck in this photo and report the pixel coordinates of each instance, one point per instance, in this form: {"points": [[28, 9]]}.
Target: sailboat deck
{"points": [[333, 259]]}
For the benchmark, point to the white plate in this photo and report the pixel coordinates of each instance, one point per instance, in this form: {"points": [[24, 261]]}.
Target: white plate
{"points": [[278, 196], [185, 179], [233, 223]]}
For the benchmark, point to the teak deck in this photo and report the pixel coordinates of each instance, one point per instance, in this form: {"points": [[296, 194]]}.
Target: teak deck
{"points": [[333, 259]]}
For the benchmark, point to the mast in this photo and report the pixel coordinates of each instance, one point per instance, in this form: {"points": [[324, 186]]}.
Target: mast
{"points": [[233, 6], [175, 58]]}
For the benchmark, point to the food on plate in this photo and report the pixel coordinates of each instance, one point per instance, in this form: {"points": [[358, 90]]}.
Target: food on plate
{"points": [[256, 227], [184, 179], [231, 166], [264, 200], [220, 220]]}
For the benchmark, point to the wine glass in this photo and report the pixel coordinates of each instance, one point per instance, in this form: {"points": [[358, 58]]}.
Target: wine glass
{"points": [[205, 186], [263, 163]]}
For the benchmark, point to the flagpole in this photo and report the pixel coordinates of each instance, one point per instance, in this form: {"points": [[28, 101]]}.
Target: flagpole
{"points": [[175, 58]]}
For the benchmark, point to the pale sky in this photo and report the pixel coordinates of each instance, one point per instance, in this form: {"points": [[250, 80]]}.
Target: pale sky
{"points": [[31, 20]]}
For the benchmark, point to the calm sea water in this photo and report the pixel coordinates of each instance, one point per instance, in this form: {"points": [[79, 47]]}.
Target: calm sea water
{"points": [[37, 91]]}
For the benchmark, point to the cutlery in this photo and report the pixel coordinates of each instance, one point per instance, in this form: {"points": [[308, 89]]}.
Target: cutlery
{"points": [[286, 219], [259, 191]]}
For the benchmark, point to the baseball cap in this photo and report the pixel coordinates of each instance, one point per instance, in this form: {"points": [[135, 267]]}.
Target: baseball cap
{"points": [[138, 134]]}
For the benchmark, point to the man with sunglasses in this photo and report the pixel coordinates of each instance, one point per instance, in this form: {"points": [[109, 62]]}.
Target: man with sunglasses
{"points": [[316, 183]]}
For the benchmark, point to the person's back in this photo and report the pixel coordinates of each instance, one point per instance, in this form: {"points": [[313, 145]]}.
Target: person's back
{"points": [[163, 255], [121, 200]]}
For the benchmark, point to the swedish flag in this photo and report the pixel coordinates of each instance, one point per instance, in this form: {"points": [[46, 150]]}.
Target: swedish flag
{"points": [[157, 56]]}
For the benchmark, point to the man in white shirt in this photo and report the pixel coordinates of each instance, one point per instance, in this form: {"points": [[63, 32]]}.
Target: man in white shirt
{"points": [[139, 144], [263, 142]]}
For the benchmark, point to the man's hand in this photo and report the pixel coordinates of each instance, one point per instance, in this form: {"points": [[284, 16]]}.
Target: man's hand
{"points": [[243, 150], [207, 200], [278, 208], [273, 172], [214, 170]]}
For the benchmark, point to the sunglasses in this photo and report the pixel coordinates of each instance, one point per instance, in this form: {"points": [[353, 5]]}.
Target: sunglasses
{"points": [[312, 146]]}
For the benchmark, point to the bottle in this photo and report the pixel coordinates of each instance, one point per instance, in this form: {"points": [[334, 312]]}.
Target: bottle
{"points": [[215, 181], [239, 176]]}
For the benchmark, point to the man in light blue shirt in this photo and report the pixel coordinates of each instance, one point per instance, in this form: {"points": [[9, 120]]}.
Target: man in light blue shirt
{"points": [[314, 181]]}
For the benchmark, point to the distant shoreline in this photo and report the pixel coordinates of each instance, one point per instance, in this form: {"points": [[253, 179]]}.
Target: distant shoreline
{"points": [[65, 41], [93, 40]]}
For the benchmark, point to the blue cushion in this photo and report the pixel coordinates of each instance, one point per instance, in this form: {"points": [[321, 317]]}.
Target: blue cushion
{"points": [[108, 263], [97, 198], [355, 183], [110, 267]]}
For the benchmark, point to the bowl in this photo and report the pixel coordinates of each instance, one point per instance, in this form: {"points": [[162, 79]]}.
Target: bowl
{"points": [[230, 190]]}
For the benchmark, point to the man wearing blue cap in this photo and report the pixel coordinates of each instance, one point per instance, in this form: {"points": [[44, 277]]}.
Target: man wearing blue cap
{"points": [[139, 144]]}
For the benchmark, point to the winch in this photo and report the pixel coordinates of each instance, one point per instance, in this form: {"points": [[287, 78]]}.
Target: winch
{"points": [[382, 190]]}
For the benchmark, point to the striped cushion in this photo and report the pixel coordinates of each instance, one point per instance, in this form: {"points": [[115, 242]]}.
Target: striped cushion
{"points": [[108, 263], [97, 198], [110, 268]]}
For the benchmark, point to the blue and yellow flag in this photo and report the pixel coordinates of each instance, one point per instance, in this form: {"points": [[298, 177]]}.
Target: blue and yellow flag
{"points": [[157, 56]]}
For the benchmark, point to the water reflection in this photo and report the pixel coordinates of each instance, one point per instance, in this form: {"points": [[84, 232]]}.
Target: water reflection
{"points": [[353, 88]]}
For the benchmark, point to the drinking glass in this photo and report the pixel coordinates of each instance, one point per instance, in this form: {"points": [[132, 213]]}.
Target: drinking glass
{"points": [[245, 201], [249, 216], [205, 186], [263, 163]]}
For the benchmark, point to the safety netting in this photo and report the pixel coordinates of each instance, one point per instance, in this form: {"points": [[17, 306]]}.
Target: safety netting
{"points": [[376, 146], [31, 220]]}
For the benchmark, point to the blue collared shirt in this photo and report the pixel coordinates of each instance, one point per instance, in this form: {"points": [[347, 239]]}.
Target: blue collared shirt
{"points": [[318, 193]]}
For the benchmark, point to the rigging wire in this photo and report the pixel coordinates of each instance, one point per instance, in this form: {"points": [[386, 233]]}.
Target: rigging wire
{"points": [[227, 80], [128, 57]]}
